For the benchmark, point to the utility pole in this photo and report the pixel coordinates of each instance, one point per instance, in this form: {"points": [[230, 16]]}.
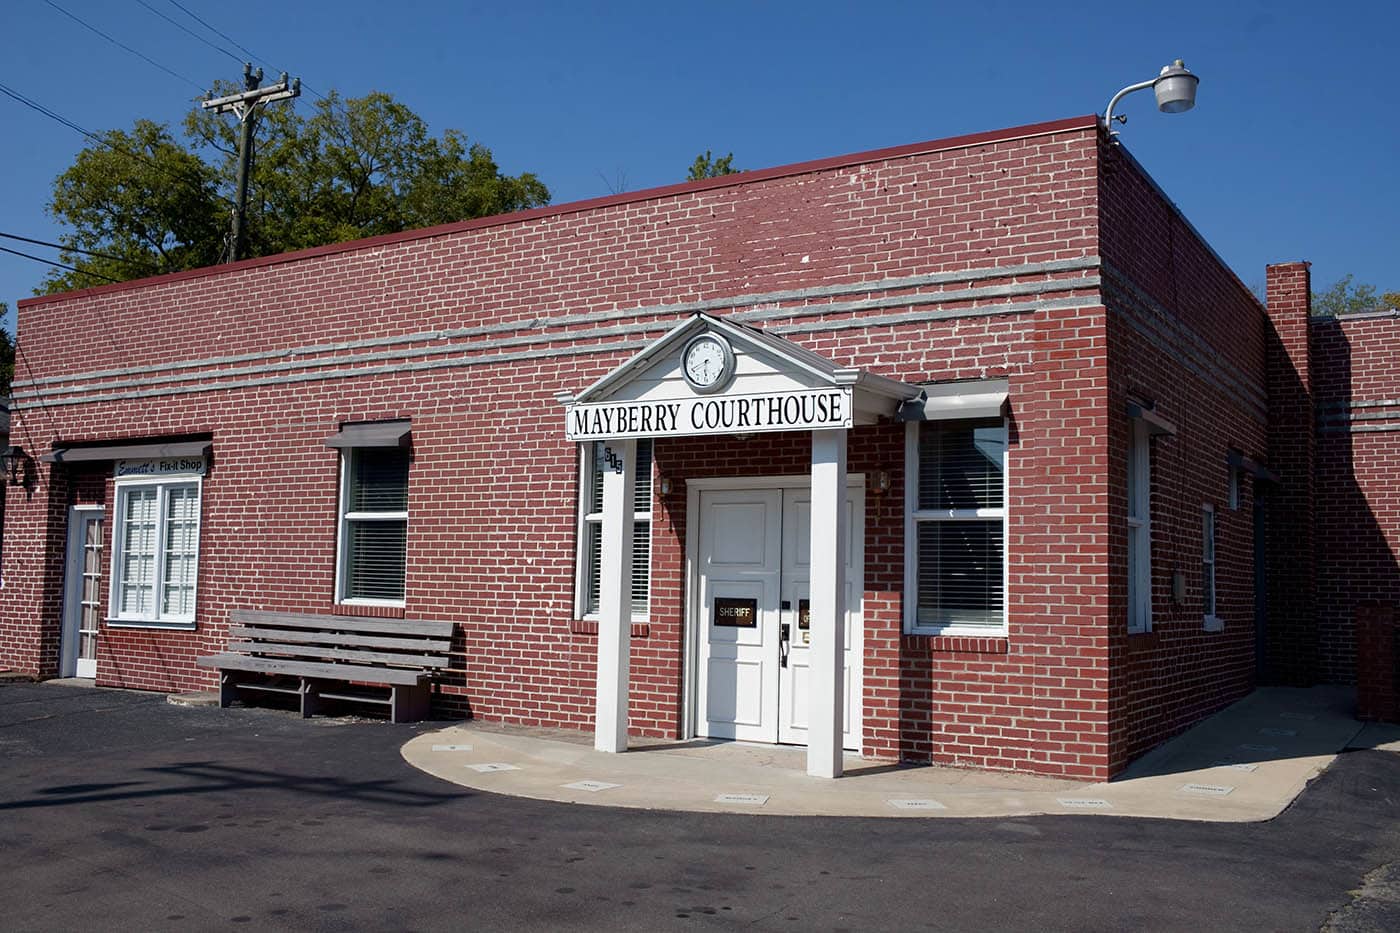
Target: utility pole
{"points": [[244, 105]]}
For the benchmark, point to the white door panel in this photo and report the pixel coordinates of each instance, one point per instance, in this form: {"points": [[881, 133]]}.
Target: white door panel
{"points": [[740, 546], [796, 593]]}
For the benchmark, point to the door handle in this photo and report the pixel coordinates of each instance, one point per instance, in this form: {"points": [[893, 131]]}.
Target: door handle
{"points": [[784, 633]]}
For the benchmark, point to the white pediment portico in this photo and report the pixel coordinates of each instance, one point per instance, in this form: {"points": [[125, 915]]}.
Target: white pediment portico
{"points": [[775, 385], [708, 376]]}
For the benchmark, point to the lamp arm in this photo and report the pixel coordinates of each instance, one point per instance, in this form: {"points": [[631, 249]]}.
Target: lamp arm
{"points": [[1113, 102]]}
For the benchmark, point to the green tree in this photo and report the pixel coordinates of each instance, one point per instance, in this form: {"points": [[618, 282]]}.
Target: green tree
{"points": [[351, 168], [144, 201], [1346, 298], [7, 355], [707, 166]]}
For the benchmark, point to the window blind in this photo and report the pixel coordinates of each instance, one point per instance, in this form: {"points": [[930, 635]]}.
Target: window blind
{"points": [[960, 573]]}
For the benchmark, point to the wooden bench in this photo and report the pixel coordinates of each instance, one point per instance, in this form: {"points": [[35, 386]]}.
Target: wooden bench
{"points": [[330, 657]]}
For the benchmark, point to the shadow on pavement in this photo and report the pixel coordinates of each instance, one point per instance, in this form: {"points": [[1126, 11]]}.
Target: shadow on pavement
{"points": [[205, 777]]}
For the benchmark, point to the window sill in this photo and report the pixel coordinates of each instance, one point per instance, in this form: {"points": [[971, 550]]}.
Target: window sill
{"points": [[967, 644], [368, 610], [638, 618], [150, 624], [590, 627]]}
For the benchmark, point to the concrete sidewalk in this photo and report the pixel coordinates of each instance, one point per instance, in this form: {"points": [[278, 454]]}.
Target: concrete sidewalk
{"points": [[1246, 763]]}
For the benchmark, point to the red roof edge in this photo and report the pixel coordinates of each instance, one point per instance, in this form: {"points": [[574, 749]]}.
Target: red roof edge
{"points": [[573, 207]]}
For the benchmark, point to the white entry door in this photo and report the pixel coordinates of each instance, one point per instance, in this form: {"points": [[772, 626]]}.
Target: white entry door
{"points": [[753, 645], [82, 593]]}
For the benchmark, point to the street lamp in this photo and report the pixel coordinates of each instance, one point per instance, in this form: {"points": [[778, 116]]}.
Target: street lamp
{"points": [[15, 463], [1175, 88]]}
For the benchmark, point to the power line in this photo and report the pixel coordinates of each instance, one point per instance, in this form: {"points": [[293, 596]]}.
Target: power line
{"points": [[96, 275], [54, 115], [185, 29], [74, 249], [223, 35], [147, 59]]}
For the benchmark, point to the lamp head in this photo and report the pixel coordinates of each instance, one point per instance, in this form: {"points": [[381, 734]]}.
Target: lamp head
{"points": [[1175, 88], [13, 462]]}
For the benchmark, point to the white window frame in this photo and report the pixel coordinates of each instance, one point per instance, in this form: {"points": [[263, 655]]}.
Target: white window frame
{"points": [[1209, 561], [1138, 491], [343, 519], [641, 512], [121, 488], [913, 515]]}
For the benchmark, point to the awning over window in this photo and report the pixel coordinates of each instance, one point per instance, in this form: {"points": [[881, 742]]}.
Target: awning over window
{"points": [[1156, 424], [954, 400], [371, 434], [1254, 468], [127, 452]]}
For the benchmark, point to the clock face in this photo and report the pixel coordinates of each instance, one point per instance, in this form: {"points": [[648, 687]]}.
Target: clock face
{"points": [[707, 363]]}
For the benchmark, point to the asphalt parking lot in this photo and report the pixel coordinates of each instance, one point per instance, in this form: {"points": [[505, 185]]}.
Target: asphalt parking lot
{"points": [[121, 812]]}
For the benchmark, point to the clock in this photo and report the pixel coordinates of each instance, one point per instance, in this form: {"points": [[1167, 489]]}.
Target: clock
{"points": [[707, 363]]}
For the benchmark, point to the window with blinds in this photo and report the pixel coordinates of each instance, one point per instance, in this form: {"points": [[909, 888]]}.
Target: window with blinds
{"points": [[591, 533], [374, 525], [959, 526], [155, 556]]}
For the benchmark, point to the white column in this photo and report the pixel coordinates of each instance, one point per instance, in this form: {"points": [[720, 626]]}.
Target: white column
{"points": [[615, 598], [828, 593]]}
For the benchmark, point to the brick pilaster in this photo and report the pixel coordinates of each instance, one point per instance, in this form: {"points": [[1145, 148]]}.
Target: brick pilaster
{"points": [[1290, 652]]}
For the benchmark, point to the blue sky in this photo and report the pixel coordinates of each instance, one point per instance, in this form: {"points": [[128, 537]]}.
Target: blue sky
{"points": [[1291, 152]]}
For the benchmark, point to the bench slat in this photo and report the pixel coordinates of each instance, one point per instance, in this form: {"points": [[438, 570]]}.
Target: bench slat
{"points": [[338, 654], [369, 675], [341, 623], [333, 638], [268, 688], [355, 698]]}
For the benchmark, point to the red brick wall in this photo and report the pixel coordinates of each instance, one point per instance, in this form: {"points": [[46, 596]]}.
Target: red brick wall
{"points": [[1356, 380], [481, 323], [1184, 335]]}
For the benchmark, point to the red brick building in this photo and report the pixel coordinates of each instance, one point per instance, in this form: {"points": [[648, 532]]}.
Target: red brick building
{"points": [[990, 403]]}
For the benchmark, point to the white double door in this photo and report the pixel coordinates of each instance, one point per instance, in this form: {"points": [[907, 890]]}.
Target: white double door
{"points": [[754, 639]]}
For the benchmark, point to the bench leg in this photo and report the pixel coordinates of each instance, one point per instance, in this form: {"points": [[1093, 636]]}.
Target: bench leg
{"points": [[228, 688], [409, 704], [309, 693]]}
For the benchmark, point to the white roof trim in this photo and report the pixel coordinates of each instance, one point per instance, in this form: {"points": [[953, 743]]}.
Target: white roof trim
{"points": [[949, 401]]}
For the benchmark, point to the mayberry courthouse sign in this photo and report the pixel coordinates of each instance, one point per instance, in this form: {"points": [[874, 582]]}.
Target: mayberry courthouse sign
{"points": [[800, 410]]}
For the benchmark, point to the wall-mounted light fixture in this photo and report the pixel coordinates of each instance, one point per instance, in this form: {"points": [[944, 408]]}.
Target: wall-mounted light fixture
{"points": [[15, 462], [1175, 88], [880, 482], [665, 486]]}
